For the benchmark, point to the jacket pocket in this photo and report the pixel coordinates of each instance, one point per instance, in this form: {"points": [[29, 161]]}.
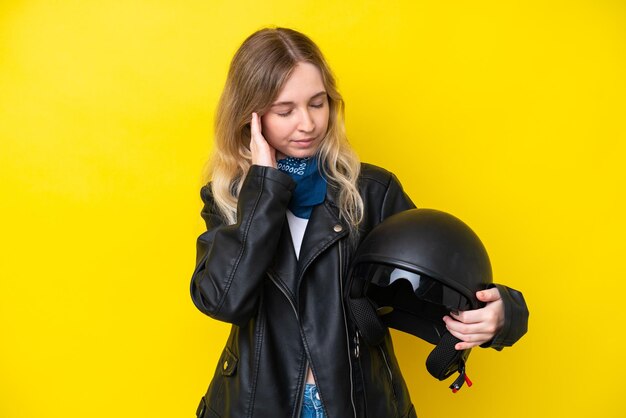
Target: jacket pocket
{"points": [[401, 397], [203, 411], [228, 362], [221, 386], [201, 408], [388, 372]]}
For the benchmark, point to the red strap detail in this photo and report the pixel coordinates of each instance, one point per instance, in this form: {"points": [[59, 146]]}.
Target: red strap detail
{"points": [[468, 381]]}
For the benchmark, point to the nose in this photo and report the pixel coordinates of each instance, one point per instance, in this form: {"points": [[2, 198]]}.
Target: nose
{"points": [[306, 123]]}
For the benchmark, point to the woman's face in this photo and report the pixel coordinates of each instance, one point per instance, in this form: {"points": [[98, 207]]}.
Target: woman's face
{"points": [[297, 121]]}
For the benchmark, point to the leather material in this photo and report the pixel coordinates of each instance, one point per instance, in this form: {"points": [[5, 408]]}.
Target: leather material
{"points": [[516, 316], [290, 314]]}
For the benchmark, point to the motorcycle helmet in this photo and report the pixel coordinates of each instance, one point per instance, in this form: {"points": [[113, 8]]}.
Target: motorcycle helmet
{"points": [[410, 271]]}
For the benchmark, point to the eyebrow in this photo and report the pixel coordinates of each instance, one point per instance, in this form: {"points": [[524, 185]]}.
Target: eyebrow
{"points": [[315, 96]]}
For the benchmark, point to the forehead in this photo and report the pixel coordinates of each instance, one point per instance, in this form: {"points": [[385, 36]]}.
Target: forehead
{"points": [[304, 82]]}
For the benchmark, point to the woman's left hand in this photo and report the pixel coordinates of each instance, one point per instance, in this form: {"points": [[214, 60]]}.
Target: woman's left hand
{"points": [[477, 326]]}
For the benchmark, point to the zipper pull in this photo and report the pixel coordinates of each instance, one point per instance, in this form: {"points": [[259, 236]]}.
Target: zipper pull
{"points": [[356, 344]]}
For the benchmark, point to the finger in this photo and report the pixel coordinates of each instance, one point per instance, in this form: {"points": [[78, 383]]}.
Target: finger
{"points": [[255, 129], [483, 327], [256, 138], [488, 295], [471, 340], [491, 312], [464, 346], [468, 317], [262, 152]]}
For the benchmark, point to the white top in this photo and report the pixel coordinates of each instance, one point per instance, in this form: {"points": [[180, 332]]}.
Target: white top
{"points": [[297, 226]]}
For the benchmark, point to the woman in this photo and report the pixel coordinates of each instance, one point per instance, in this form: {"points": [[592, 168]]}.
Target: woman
{"points": [[286, 207]]}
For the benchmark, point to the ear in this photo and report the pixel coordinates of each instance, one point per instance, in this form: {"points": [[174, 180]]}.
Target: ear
{"points": [[444, 360], [367, 321]]}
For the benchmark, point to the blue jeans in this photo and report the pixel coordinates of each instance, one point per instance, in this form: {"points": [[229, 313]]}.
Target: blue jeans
{"points": [[312, 405]]}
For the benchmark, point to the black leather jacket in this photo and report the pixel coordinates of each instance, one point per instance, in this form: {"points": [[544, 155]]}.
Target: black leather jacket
{"points": [[288, 314]]}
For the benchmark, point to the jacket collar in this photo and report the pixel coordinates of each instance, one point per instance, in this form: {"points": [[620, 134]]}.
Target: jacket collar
{"points": [[323, 229]]}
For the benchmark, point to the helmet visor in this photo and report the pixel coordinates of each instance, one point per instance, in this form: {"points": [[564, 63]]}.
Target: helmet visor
{"points": [[424, 287]]}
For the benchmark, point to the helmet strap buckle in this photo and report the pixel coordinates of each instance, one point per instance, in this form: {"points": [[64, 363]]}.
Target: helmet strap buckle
{"points": [[462, 378]]}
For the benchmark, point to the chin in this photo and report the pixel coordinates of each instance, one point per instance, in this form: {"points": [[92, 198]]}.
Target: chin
{"points": [[302, 152]]}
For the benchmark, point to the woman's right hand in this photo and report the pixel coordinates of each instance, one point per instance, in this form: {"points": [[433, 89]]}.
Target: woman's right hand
{"points": [[262, 152]]}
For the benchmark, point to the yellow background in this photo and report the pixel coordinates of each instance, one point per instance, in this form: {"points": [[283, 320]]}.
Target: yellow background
{"points": [[509, 114]]}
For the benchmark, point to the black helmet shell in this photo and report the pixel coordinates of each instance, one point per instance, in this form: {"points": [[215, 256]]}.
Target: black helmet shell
{"points": [[411, 270], [434, 243]]}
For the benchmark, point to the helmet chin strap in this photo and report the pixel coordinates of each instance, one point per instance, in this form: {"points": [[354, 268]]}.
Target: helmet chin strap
{"points": [[444, 360], [367, 320]]}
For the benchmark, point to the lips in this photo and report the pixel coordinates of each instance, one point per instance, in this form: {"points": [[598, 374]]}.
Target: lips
{"points": [[304, 142]]}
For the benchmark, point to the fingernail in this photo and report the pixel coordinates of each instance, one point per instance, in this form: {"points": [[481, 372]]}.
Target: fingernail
{"points": [[455, 313]]}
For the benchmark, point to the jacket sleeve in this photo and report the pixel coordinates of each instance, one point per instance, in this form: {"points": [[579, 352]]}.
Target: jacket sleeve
{"points": [[515, 318], [395, 199], [231, 260]]}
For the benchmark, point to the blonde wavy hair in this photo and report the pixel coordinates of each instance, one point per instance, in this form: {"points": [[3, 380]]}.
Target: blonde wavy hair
{"points": [[258, 71]]}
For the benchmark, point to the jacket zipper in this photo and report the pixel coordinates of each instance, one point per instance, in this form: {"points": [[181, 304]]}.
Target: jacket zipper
{"points": [[380, 347], [301, 396], [347, 333], [284, 292], [306, 364]]}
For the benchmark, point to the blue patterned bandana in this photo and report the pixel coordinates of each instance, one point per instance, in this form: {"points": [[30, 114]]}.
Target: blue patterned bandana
{"points": [[310, 185]]}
